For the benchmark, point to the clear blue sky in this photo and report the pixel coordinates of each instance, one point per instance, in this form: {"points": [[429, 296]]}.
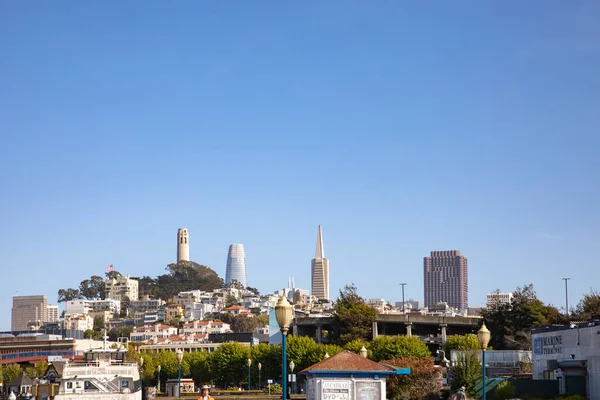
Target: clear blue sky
{"points": [[400, 127]]}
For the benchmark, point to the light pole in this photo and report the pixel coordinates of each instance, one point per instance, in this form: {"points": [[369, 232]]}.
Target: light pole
{"points": [[566, 296], [292, 365], [283, 314], [158, 378], [249, 364], [142, 375], [403, 284], [259, 368], [179, 354], [483, 335]]}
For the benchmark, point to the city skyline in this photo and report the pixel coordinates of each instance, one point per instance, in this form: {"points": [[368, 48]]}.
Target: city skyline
{"points": [[400, 127]]}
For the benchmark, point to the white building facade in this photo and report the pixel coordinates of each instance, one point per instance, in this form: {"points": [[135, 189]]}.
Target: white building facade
{"points": [[121, 287], [570, 354]]}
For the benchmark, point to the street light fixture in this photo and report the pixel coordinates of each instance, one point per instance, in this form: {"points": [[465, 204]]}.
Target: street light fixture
{"points": [[363, 352], [158, 378], [283, 314], [142, 375], [259, 368], [249, 364], [292, 365], [179, 354], [483, 335]]}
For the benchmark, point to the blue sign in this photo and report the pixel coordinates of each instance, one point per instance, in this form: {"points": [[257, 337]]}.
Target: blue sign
{"points": [[538, 346]]}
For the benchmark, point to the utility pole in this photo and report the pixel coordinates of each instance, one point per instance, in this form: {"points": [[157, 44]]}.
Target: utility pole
{"points": [[566, 295], [403, 284]]}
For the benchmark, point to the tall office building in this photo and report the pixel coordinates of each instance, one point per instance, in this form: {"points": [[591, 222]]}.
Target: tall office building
{"points": [[28, 309], [320, 271], [236, 265], [445, 276], [183, 245]]}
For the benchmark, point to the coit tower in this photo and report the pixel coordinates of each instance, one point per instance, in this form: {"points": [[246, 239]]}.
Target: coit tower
{"points": [[183, 245]]}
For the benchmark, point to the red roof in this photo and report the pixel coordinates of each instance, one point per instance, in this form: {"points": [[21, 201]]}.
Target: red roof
{"points": [[235, 308], [347, 361]]}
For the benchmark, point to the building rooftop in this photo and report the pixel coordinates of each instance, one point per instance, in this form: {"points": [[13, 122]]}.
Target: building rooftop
{"points": [[347, 361]]}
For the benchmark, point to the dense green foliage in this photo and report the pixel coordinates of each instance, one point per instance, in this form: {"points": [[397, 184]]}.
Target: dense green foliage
{"points": [[461, 342], [10, 373], [465, 373], [240, 323], [353, 317], [392, 347], [504, 391], [588, 307]]}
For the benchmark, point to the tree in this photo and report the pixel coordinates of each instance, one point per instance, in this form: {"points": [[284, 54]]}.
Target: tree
{"points": [[230, 300], [113, 274], [511, 324], [125, 303], [99, 323], [461, 342], [504, 391], [465, 373], [123, 331], [68, 295], [241, 323], [588, 307], [392, 347], [356, 345], [353, 318], [198, 366], [186, 275], [226, 364], [423, 382], [93, 288], [10, 373]]}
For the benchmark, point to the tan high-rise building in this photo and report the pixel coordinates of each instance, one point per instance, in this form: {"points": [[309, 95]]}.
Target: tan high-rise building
{"points": [[183, 245], [445, 277], [28, 309], [320, 271]]}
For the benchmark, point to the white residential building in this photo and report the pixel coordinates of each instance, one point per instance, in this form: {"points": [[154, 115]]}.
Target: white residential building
{"points": [[121, 287], [81, 322], [195, 311], [497, 298], [152, 333], [218, 326], [52, 313], [107, 308]]}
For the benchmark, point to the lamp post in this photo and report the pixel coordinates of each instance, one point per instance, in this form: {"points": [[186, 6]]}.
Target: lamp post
{"points": [[259, 368], [403, 284], [179, 354], [249, 364], [483, 335], [566, 296], [283, 314], [158, 378], [142, 375], [292, 365]]}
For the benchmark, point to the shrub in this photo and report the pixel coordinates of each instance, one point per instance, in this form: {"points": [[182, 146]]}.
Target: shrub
{"points": [[505, 390]]}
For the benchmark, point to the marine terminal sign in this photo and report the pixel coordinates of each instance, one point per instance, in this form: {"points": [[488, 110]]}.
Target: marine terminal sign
{"points": [[547, 345]]}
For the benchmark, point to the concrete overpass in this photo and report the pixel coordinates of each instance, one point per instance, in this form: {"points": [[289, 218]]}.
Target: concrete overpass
{"points": [[431, 329]]}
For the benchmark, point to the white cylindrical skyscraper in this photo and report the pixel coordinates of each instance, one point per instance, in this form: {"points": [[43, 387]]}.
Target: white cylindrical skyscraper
{"points": [[183, 245], [236, 265]]}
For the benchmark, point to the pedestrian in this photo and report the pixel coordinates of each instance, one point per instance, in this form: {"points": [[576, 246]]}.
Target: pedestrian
{"points": [[205, 393], [460, 395]]}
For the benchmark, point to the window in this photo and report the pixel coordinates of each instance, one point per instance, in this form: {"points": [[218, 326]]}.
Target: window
{"points": [[124, 384], [69, 385]]}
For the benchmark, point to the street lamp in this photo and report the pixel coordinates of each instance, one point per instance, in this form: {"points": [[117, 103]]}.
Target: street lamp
{"points": [[179, 354], [259, 368], [363, 352], [483, 335], [142, 375], [249, 364], [283, 314], [158, 378], [292, 365]]}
